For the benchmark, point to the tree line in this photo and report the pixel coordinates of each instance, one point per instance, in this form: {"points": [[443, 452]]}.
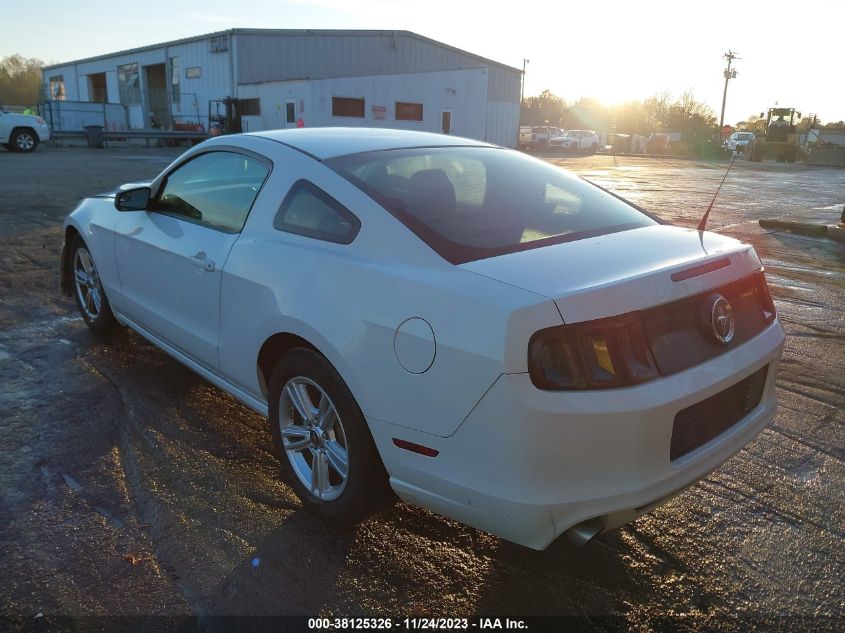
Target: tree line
{"points": [[660, 112], [757, 124], [20, 80], [20, 85]]}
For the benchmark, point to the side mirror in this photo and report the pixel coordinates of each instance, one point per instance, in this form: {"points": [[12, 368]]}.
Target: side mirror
{"points": [[133, 199]]}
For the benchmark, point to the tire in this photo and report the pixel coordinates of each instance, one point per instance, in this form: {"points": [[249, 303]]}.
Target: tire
{"points": [[350, 483], [90, 297], [24, 140]]}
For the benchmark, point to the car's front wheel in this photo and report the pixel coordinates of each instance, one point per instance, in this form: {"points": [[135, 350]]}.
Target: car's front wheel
{"points": [[24, 141], [322, 440], [88, 290]]}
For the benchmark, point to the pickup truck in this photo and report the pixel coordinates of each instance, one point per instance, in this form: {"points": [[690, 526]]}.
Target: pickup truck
{"points": [[538, 137], [22, 132]]}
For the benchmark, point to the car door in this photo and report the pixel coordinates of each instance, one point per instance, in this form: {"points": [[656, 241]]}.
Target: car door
{"points": [[170, 257]]}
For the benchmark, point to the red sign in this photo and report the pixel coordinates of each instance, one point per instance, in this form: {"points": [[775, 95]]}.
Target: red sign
{"points": [[726, 130]]}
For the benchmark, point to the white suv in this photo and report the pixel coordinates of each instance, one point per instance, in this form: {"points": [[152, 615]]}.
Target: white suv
{"points": [[579, 140], [737, 141], [22, 132]]}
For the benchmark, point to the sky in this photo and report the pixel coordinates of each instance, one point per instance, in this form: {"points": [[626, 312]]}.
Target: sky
{"points": [[790, 54]]}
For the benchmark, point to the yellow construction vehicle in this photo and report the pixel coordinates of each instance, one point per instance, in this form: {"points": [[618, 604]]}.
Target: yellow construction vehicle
{"points": [[781, 138]]}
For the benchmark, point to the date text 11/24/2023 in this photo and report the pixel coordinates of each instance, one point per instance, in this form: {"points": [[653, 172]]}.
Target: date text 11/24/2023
{"points": [[416, 624]]}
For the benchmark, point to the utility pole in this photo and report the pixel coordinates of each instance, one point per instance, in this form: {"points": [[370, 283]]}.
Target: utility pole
{"points": [[522, 88], [729, 74]]}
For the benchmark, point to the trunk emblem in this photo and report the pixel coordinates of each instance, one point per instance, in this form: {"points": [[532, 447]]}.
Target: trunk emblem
{"points": [[718, 319]]}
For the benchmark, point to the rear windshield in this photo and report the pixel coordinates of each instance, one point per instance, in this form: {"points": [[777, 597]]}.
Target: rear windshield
{"points": [[471, 203]]}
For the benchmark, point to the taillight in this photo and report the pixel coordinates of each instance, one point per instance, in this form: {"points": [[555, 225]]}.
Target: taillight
{"points": [[600, 354], [765, 298]]}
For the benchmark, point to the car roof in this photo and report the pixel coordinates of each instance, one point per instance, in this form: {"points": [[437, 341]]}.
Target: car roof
{"points": [[329, 142]]}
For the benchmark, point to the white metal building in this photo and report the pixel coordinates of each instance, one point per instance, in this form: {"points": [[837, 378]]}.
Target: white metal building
{"points": [[283, 78]]}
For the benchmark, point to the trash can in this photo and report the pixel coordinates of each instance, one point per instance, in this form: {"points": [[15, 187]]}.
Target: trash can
{"points": [[94, 135]]}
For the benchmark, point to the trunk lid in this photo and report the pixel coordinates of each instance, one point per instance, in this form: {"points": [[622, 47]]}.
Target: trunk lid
{"points": [[604, 276]]}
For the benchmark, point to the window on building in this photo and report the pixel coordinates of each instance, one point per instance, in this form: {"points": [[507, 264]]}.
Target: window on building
{"points": [[129, 84], [175, 89], [308, 210], [344, 106], [216, 189], [57, 88], [409, 111], [250, 107], [290, 112]]}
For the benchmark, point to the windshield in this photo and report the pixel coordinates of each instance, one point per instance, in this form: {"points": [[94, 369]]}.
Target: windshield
{"points": [[470, 203], [744, 137]]}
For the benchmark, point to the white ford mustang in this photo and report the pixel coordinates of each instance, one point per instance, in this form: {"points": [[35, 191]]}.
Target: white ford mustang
{"points": [[483, 333]]}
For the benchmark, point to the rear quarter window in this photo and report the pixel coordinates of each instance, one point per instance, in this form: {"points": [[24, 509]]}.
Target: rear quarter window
{"points": [[308, 210]]}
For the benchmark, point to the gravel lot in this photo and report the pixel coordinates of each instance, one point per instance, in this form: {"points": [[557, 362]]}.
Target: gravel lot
{"points": [[130, 486]]}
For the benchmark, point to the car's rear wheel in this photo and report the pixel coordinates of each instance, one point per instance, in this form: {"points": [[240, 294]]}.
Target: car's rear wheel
{"points": [[323, 443], [88, 290], [24, 140]]}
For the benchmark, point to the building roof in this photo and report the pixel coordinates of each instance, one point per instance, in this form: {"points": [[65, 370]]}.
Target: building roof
{"points": [[283, 32], [329, 142]]}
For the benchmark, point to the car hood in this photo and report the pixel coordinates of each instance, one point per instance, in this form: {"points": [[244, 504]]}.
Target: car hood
{"points": [[598, 277], [29, 119]]}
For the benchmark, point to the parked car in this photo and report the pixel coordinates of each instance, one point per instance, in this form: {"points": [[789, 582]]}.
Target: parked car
{"points": [[582, 140], [22, 132], [737, 141], [541, 137], [476, 330]]}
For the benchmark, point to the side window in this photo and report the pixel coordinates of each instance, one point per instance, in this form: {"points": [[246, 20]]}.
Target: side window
{"points": [[308, 210], [216, 189]]}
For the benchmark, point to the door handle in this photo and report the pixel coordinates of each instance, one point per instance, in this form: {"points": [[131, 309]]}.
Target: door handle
{"points": [[201, 261]]}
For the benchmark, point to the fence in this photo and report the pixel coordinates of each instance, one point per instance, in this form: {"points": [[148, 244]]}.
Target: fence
{"points": [[75, 115]]}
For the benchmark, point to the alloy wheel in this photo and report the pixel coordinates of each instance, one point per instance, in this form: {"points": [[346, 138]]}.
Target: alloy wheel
{"points": [[87, 283], [313, 438], [24, 141]]}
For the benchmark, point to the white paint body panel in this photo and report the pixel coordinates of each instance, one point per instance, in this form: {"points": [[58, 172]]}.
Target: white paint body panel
{"points": [[594, 277], [184, 311], [522, 463], [10, 121]]}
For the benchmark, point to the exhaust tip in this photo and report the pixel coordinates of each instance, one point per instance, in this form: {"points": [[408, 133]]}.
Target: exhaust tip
{"points": [[582, 533]]}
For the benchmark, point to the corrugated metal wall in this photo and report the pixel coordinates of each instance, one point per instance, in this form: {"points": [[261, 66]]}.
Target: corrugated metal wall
{"points": [[272, 56], [214, 81], [503, 85], [320, 55]]}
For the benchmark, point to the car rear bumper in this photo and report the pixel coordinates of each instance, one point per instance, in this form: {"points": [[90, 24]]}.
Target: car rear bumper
{"points": [[528, 465]]}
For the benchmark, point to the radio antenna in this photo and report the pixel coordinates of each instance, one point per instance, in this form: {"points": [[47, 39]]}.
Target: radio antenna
{"points": [[703, 222]]}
